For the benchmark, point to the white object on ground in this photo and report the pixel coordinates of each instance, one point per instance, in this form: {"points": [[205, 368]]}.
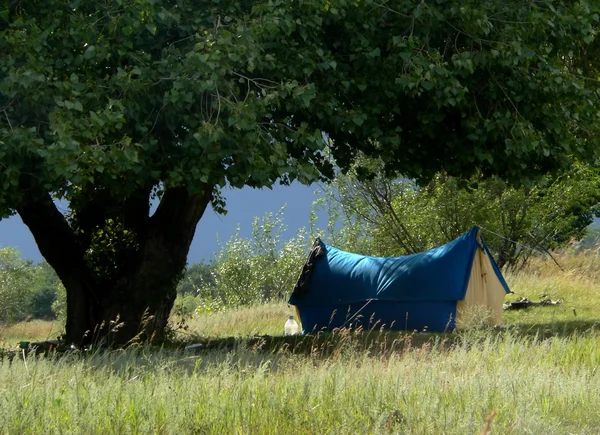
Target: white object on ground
{"points": [[291, 327]]}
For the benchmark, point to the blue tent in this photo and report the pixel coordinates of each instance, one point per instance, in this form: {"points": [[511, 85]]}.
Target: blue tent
{"points": [[432, 290]]}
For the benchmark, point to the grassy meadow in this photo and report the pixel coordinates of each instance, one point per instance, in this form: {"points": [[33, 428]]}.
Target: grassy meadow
{"points": [[538, 374]]}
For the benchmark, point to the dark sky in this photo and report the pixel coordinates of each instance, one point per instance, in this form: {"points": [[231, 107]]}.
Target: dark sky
{"points": [[242, 205]]}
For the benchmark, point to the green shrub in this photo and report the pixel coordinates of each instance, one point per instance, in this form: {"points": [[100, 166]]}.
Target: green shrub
{"points": [[185, 305], [17, 281], [59, 306], [261, 268]]}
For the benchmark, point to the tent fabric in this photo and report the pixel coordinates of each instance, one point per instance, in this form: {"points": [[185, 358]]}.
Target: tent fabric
{"points": [[430, 289], [398, 315], [438, 274]]}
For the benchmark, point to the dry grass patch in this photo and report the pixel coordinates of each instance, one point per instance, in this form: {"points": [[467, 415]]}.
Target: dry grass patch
{"points": [[265, 319], [34, 330]]}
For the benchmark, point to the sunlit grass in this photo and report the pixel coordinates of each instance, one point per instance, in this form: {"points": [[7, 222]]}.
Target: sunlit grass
{"points": [[535, 386], [264, 319], [576, 286], [538, 375], [34, 330]]}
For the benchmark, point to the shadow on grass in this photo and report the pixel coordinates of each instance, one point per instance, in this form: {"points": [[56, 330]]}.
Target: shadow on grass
{"points": [[325, 345], [559, 328], [322, 345]]}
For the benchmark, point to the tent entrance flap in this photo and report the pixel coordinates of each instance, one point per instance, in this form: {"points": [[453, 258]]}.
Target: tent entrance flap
{"points": [[485, 294]]}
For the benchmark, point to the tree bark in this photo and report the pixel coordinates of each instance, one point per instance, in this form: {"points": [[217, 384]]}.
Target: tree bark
{"points": [[58, 245], [136, 301], [146, 295]]}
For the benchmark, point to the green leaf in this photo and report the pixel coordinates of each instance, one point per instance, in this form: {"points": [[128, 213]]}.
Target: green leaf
{"points": [[358, 120], [89, 52], [151, 28], [131, 154], [375, 53]]}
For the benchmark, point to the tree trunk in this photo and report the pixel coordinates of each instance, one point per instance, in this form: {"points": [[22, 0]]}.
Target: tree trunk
{"points": [[136, 301]]}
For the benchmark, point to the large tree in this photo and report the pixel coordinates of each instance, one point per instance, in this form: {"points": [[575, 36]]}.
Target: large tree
{"points": [[111, 104]]}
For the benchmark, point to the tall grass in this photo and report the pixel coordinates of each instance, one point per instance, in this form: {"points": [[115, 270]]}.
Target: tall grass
{"points": [[539, 375], [534, 385], [575, 283]]}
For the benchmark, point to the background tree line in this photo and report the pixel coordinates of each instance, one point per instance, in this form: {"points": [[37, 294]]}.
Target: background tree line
{"points": [[28, 290]]}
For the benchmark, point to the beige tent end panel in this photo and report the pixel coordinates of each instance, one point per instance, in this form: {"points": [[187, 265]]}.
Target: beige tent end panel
{"points": [[484, 298]]}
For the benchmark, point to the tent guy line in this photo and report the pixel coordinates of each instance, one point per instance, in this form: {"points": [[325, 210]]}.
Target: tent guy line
{"points": [[544, 252]]}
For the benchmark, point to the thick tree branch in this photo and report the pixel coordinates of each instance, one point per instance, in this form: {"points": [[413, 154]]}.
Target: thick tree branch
{"points": [[53, 235], [91, 211], [60, 247], [177, 206]]}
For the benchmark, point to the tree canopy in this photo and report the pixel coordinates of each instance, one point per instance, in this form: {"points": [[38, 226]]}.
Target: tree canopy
{"points": [[153, 93], [111, 104]]}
